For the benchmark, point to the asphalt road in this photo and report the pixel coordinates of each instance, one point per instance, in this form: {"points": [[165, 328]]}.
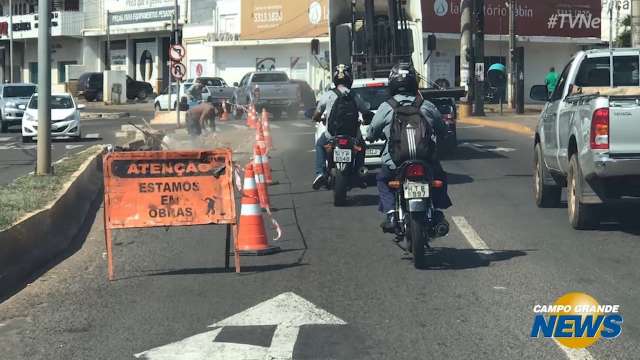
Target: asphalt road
{"points": [[17, 159], [470, 303]]}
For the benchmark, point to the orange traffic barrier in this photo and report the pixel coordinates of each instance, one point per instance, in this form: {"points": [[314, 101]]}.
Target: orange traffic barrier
{"points": [[225, 113], [251, 117], [260, 139], [252, 237], [258, 168], [266, 129]]}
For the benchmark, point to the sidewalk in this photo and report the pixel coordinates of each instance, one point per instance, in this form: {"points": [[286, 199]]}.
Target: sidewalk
{"points": [[524, 124]]}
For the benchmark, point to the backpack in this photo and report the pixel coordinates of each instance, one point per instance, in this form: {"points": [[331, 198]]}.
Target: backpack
{"points": [[343, 119], [410, 133]]}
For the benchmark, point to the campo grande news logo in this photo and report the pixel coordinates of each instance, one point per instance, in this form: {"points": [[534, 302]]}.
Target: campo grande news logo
{"points": [[577, 320]]}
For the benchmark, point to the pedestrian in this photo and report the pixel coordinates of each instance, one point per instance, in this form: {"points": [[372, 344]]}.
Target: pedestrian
{"points": [[199, 116], [195, 91], [551, 80]]}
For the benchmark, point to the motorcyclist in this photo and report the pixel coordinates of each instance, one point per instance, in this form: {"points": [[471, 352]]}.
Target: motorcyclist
{"points": [[403, 85], [342, 79]]}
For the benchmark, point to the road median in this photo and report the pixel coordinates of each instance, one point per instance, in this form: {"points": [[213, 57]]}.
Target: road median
{"points": [[36, 226]]}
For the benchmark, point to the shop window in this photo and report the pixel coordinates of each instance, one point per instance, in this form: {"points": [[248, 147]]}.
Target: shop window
{"points": [[72, 5], [62, 70]]}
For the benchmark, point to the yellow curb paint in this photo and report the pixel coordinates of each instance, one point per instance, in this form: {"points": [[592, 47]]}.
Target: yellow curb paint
{"points": [[516, 128]]}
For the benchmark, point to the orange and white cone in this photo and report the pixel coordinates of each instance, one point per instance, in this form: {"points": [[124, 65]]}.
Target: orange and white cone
{"points": [[225, 113], [266, 167], [252, 237], [260, 139], [251, 117], [258, 168], [266, 129]]}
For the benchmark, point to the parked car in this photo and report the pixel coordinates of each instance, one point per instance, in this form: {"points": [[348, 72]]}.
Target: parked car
{"points": [[11, 97], [65, 117], [270, 90], [90, 85], [588, 135], [162, 101]]}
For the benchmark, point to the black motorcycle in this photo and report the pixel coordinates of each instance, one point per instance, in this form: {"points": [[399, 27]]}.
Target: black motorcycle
{"points": [[416, 220], [343, 152]]}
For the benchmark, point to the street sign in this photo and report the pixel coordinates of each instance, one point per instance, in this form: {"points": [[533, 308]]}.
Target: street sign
{"points": [[177, 52], [167, 188], [178, 70], [288, 312], [199, 70], [480, 71]]}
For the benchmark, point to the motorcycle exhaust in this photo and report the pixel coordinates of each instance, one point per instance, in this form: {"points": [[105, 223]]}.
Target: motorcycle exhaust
{"points": [[441, 229]]}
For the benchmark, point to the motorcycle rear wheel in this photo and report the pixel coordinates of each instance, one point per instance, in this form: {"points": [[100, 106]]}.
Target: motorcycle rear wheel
{"points": [[340, 189], [418, 236]]}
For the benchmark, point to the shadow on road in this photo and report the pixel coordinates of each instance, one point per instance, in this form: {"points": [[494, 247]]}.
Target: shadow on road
{"points": [[220, 270], [363, 200], [459, 179], [445, 258]]}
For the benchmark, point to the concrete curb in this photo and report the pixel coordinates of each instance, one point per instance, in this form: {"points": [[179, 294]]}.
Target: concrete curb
{"points": [[40, 237], [496, 124]]}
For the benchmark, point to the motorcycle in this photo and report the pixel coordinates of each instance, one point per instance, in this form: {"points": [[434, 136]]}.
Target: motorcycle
{"points": [[416, 220], [343, 172]]}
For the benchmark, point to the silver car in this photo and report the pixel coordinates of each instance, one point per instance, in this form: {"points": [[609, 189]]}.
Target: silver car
{"points": [[11, 97]]}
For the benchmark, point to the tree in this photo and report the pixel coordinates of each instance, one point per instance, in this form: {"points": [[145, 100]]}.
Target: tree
{"points": [[624, 38]]}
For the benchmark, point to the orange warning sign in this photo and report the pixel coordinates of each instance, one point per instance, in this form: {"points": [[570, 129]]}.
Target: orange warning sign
{"points": [[168, 188]]}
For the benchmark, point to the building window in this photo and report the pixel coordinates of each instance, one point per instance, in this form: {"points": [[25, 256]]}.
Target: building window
{"points": [[33, 72], [72, 5]]}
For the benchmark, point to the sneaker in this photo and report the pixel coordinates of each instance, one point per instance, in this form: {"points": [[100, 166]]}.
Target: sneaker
{"points": [[318, 182]]}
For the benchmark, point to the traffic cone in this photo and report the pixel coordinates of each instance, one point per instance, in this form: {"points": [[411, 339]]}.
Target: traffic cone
{"points": [[266, 128], [266, 167], [258, 168], [252, 237], [260, 138], [225, 113], [251, 117]]}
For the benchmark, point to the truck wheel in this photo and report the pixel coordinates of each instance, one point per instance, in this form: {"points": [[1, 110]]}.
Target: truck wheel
{"points": [[142, 95], [547, 196], [581, 216]]}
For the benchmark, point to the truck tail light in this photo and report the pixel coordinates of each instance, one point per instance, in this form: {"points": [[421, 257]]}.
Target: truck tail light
{"points": [[256, 92], [600, 129]]}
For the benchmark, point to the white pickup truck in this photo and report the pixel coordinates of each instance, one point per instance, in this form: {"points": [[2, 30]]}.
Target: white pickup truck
{"points": [[588, 136]]}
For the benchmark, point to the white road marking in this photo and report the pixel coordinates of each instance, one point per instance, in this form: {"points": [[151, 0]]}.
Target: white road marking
{"points": [[92, 136], [288, 312], [472, 236], [488, 148], [71, 147], [17, 147], [312, 151], [274, 126], [301, 125], [238, 126], [5, 139], [575, 354], [121, 134]]}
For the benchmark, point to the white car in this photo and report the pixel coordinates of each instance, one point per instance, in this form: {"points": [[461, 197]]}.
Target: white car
{"points": [[162, 101], [65, 117], [373, 92]]}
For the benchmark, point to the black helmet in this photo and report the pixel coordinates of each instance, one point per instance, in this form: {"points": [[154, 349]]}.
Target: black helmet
{"points": [[342, 76], [403, 79]]}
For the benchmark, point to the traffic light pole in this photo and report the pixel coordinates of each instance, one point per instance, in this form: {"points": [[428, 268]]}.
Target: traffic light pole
{"points": [[511, 83], [43, 162], [466, 56], [478, 109]]}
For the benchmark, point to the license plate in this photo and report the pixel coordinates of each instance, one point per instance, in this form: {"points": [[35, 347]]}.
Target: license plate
{"points": [[414, 190], [342, 155], [373, 152]]}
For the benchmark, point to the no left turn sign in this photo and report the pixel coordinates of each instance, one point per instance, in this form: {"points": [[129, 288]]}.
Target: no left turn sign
{"points": [[177, 52], [178, 70]]}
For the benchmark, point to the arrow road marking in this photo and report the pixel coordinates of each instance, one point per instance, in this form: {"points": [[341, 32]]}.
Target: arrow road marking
{"points": [[71, 147], [288, 312]]}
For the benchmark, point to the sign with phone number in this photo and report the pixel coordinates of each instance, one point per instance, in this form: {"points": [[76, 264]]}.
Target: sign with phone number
{"points": [[267, 16]]}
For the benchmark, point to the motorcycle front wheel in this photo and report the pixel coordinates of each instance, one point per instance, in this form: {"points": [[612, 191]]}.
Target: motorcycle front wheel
{"points": [[418, 236], [340, 189]]}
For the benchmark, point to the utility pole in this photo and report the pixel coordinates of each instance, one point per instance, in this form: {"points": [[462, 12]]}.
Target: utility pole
{"points": [[43, 162], [635, 23], [169, 102], [176, 16], [511, 68], [11, 40], [108, 57], [466, 56], [478, 109]]}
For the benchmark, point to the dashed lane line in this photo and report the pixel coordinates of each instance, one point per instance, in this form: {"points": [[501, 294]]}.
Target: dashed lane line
{"points": [[483, 249], [92, 136], [5, 139], [301, 125]]}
